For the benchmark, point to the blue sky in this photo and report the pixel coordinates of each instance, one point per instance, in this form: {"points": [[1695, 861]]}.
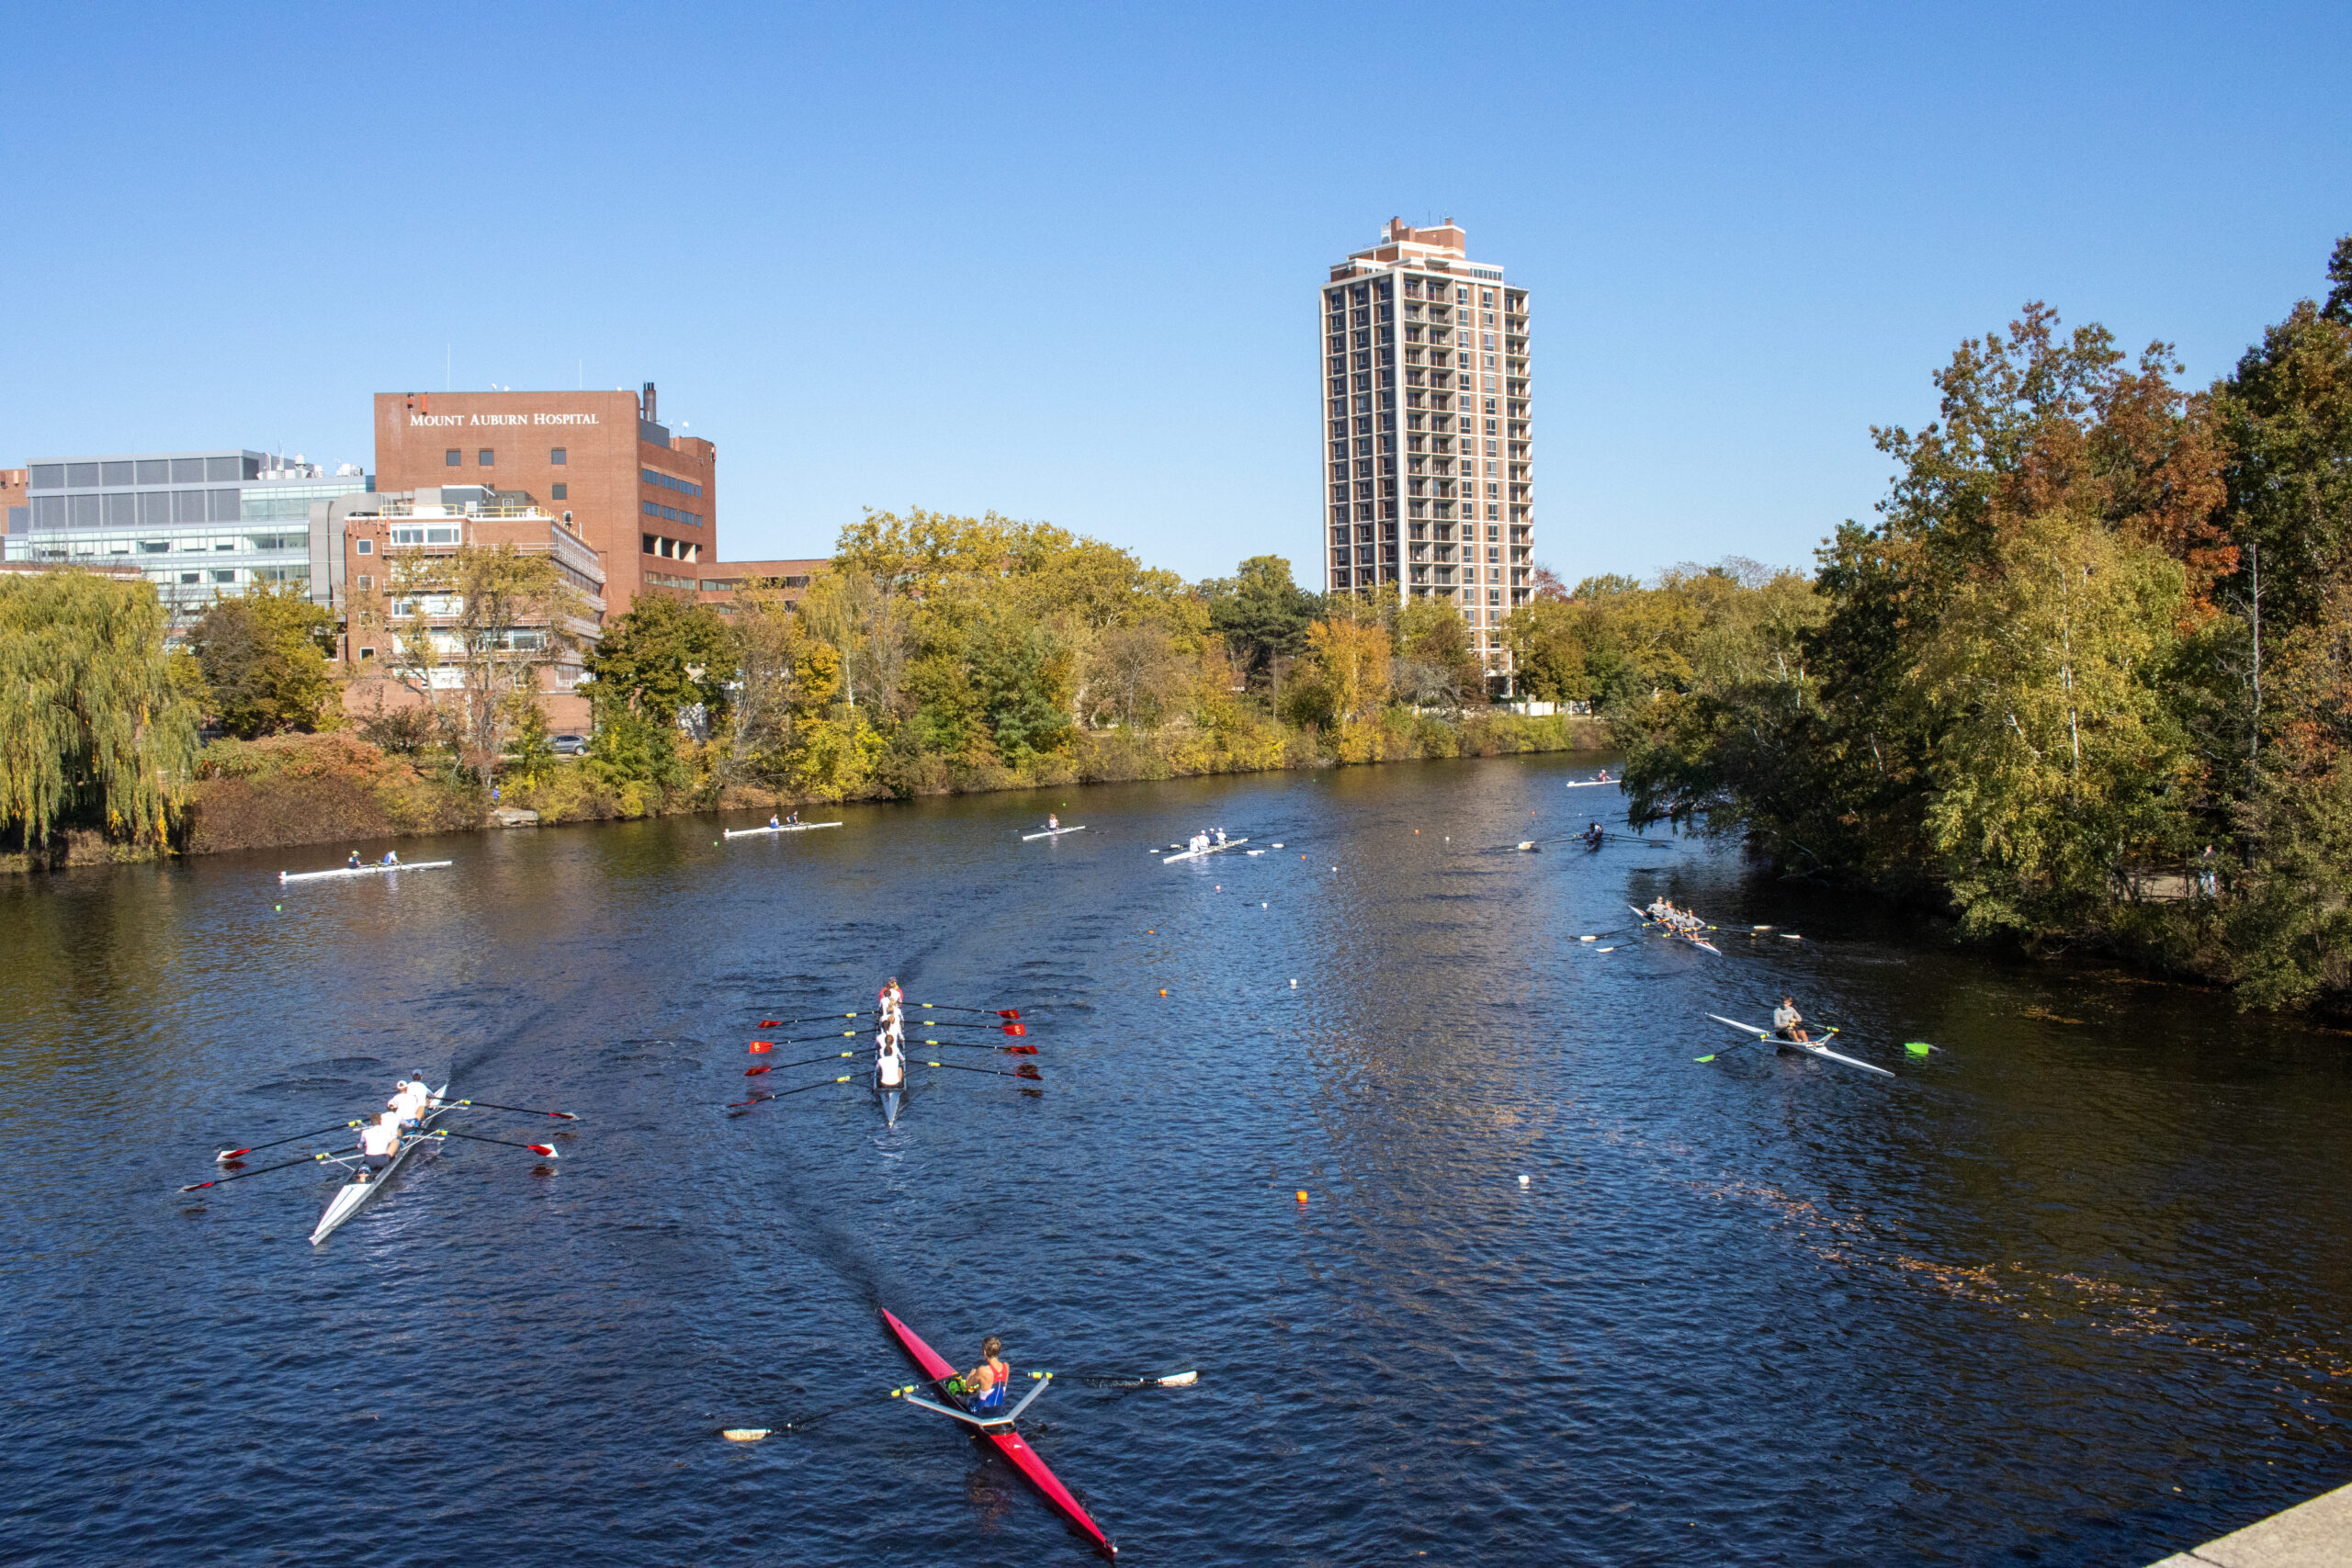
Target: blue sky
{"points": [[1060, 261]]}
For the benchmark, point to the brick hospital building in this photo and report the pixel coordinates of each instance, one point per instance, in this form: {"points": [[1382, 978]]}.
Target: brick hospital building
{"points": [[645, 499]]}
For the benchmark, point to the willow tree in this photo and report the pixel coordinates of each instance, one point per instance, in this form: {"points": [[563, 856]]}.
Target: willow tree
{"points": [[97, 735]]}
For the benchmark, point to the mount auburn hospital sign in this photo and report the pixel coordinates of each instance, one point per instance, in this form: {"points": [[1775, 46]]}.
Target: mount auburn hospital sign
{"points": [[444, 421]]}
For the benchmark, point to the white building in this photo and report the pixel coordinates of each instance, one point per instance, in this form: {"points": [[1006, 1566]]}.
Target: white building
{"points": [[1427, 432], [200, 525]]}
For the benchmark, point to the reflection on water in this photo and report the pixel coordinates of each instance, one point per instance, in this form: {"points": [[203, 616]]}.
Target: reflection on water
{"points": [[2072, 1291]]}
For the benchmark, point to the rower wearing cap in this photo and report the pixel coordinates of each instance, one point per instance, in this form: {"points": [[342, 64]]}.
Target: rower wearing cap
{"points": [[985, 1383], [353, 862], [1789, 1024]]}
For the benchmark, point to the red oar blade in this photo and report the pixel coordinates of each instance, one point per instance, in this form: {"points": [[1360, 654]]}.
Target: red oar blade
{"points": [[761, 1048], [1018, 1050], [756, 1072], [1008, 1012], [1016, 1028]]}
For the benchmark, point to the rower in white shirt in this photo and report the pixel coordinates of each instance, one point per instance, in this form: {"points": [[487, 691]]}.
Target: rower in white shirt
{"points": [[889, 1053], [380, 1141]]}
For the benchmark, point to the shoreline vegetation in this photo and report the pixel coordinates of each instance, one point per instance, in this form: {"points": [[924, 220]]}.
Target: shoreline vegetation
{"points": [[2085, 685]]}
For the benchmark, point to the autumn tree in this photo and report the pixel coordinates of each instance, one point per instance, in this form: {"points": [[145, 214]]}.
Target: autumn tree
{"points": [[265, 669]]}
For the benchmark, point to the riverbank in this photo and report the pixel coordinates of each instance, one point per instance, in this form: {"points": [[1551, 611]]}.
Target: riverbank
{"points": [[312, 789]]}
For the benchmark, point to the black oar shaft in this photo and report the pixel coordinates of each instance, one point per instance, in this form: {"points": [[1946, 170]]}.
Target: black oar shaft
{"points": [[265, 1170], [812, 1017], [992, 1072], [782, 1094], [522, 1110], [276, 1143], [541, 1149], [810, 1039]]}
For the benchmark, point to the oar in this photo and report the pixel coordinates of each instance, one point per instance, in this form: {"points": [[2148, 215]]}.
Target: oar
{"points": [[753, 1434], [1023, 1071], [975, 1045], [951, 1006], [781, 1093], [545, 1151], [226, 1154], [812, 1017], [761, 1046], [306, 1159], [519, 1110], [1121, 1379], [830, 1057], [1920, 1048]]}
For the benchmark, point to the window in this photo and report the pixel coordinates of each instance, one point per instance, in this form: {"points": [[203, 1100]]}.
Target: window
{"points": [[367, 546], [367, 653], [560, 491], [486, 457], [648, 544], [226, 575], [558, 457], [655, 508], [366, 581], [453, 459], [684, 486], [191, 577]]}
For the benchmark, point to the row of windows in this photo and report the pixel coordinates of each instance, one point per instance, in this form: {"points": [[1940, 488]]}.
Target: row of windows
{"points": [[141, 471], [684, 486], [655, 508], [487, 457], [673, 550]]}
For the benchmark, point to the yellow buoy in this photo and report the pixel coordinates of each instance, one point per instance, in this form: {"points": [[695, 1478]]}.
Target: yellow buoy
{"points": [[1302, 1194]]}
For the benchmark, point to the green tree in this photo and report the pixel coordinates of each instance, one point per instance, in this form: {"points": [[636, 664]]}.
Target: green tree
{"points": [[95, 734], [259, 653], [479, 625], [666, 658], [1261, 614]]}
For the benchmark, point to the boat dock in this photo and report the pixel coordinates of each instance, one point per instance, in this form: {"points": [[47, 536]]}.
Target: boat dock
{"points": [[2317, 1534]]}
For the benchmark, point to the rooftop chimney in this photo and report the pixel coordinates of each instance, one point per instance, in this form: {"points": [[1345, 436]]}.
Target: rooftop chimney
{"points": [[649, 416]]}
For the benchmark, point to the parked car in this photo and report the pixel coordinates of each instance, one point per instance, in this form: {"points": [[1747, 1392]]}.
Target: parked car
{"points": [[571, 745]]}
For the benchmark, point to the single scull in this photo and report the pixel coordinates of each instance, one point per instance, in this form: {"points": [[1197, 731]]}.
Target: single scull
{"points": [[999, 1430], [779, 827], [355, 1194], [1053, 832], [378, 870], [1810, 1049]]}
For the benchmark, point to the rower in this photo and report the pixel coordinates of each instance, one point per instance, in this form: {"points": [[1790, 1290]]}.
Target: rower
{"points": [[773, 820], [890, 1000], [353, 862], [1220, 836], [380, 1141], [985, 1383], [792, 819], [1789, 1024], [1593, 836], [1600, 777], [1052, 823], [890, 1054], [392, 857]]}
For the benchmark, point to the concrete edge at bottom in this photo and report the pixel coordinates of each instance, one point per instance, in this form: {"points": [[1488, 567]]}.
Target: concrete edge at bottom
{"points": [[2316, 1534]]}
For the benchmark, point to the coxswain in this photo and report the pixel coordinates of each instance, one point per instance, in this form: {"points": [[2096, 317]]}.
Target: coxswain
{"points": [[380, 1141], [1789, 1024], [353, 862], [985, 1383]]}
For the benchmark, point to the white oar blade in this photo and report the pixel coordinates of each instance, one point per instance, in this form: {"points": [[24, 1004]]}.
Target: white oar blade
{"points": [[1179, 1380], [745, 1434]]}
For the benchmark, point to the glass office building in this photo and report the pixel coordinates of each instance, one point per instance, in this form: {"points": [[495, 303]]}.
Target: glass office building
{"points": [[200, 525]]}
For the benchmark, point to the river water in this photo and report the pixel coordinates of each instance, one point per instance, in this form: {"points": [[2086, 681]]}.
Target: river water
{"points": [[2070, 1291]]}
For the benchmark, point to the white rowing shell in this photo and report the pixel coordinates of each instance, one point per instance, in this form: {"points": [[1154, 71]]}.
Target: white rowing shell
{"points": [[1196, 854], [1766, 1034], [1053, 832], [284, 877], [785, 827]]}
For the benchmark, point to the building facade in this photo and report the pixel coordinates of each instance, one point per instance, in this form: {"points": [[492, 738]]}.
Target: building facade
{"points": [[722, 581], [1428, 449], [646, 499], [200, 525], [381, 533]]}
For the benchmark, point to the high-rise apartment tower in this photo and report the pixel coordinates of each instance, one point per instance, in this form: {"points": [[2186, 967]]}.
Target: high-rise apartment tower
{"points": [[1429, 464]]}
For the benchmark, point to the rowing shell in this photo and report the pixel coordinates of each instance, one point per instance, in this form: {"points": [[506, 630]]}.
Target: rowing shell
{"points": [[356, 1193], [1053, 832], [1197, 854], [1801, 1045], [1649, 919], [1589, 783], [781, 828], [285, 876], [999, 1430], [891, 1100]]}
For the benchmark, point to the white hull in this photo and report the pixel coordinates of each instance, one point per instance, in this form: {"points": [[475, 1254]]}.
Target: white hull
{"points": [[1824, 1050], [355, 1194], [1053, 832], [1197, 854], [284, 877], [784, 828], [1590, 784]]}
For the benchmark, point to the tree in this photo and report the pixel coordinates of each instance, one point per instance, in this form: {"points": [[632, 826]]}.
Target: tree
{"points": [[1261, 612], [1139, 670], [263, 670], [666, 660], [481, 624], [1547, 649], [1343, 676], [1433, 645], [94, 733]]}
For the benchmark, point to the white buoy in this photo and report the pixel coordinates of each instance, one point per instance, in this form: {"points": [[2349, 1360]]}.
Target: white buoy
{"points": [[1293, 985], [1522, 1181]]}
